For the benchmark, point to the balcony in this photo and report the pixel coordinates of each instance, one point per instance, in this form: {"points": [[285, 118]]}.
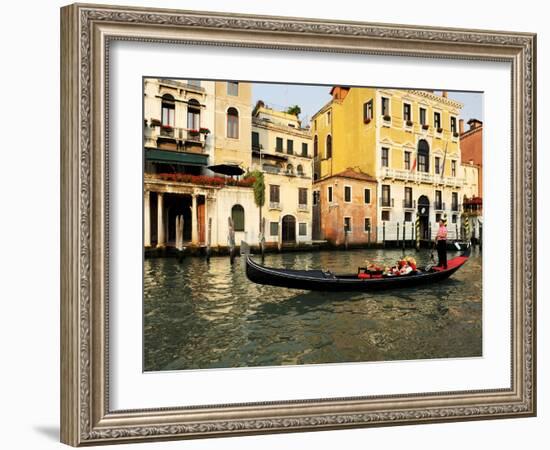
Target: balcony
{"points": [[455, 207], [274, 205], [173, 137], [386, 202], [420, 177], [302, 207], [439, 206], [409, 204]]}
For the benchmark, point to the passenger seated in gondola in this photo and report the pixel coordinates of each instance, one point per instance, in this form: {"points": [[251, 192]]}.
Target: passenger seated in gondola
{"points": [[405, 266]]}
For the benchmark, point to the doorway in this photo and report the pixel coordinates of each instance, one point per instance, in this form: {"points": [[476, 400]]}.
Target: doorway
{"points": [[289, 229]]}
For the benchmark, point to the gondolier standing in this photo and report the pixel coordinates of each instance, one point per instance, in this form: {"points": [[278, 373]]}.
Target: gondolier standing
{"points": [[441, 241]]}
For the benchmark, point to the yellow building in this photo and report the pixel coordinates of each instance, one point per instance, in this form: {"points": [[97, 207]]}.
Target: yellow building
{"points": [[408, 140], [282, 150]]}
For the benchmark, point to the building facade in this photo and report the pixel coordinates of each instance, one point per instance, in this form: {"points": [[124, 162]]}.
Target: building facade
{"points": [[189, 126], [281, 150], [408, 141]]}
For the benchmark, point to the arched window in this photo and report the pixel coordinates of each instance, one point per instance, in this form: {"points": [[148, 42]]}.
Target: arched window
{"points": [[193, 115], [423, 156], [300, 170], [232, 123], [329, 147], [168, 111], [315, 176], [289, 169], [237, 215], [315, 146]]}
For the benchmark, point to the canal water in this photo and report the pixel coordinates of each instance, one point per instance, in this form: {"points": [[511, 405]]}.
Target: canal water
{"points": [[200, 315]]}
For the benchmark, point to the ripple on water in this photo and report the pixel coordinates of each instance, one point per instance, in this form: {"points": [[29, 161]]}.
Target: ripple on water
{"points": [[203, 315]]}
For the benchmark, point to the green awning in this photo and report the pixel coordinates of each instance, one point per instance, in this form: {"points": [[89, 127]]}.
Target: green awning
{"points": [[172, 157]]}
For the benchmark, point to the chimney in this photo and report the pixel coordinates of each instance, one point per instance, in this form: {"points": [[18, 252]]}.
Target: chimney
{"points": [[444, 94], [461, 126]]}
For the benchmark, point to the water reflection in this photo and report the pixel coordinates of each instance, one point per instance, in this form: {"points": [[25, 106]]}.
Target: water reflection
{"points": [[205, 315]]}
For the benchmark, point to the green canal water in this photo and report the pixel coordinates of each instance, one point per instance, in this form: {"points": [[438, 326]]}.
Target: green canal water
{"points": [[200, 315]]}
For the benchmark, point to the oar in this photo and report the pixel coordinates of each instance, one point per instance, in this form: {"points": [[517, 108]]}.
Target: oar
{"points": [[432, 252]]}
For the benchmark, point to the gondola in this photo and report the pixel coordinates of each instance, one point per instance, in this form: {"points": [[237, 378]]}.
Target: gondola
{"points": [[320, 280]]}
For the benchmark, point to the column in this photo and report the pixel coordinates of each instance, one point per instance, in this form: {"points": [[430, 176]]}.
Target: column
{"points": [[147, 219], [161, 240], [194, 227]]}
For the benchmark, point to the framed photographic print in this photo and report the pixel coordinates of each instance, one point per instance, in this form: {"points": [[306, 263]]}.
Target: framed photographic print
{"points": [[281, 224]]}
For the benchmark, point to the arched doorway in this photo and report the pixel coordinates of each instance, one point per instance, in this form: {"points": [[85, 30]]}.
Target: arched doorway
{"points": [[424, 216], [289, 229]]}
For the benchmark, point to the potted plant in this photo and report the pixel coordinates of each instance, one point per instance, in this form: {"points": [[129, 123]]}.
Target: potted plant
{"points": [[155, 123], [425, 126], [366, 120], [409, 123], [387, 118], [439, 130], [194, 133], [455, 134], [204, 131]]}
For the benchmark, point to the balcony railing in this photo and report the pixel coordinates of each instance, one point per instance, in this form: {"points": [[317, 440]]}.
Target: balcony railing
{"points": [[409, 204], [455, 207], [274, 205], [439, 206], [182, 135], [420, 177], [386, 202], [302, 207]]}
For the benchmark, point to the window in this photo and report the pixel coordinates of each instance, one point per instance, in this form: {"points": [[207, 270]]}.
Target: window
{"points": [[453, 124], [408, 197], [454, 201], [437, 120], [329, 147], [304, 148], [437, 165], [454, 218], [453, 168], [302, 196], [232, 123], [329, 194], [367, 111], [347, 224], [386, 195], [168, 110], [408, 216], [233, 88], [302, 229], [422, 115], [366, 196], [367, 224], [328, 117], [407, 112], [438, 203], [385, 106], [278, 144], [274, 193], [289, 169], [347, 194], [255, 140], [315, 146], [237, 214], [273, 228], [316, 197], [193, 115], [385, 216], [385, 157], [300, 170], [423, 156], [290, 146], [437, 217], [407, 160]]}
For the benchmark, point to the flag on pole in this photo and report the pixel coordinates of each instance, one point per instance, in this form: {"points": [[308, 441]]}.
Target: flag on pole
{"points": [[442, 168], [413, 165]]}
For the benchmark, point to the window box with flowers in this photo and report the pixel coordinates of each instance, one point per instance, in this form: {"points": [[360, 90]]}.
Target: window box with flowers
{"points": [[155, 123], [455, 134], [387, 118], [194, 133], [409, 123], [425, 126], [367, 120], [204, 131], [440, 130]]}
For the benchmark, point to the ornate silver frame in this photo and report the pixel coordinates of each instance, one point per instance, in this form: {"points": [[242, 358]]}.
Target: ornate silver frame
{"points": [[86, 31]]}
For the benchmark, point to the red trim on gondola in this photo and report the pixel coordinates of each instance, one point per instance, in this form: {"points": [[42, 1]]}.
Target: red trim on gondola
{"points": [[452, 263]]}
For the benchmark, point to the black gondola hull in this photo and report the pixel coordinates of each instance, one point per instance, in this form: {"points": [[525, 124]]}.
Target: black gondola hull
{"points": [[317, 280]]}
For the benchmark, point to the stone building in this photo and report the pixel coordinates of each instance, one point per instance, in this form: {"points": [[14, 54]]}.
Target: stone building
{"points": [[281, 149]]}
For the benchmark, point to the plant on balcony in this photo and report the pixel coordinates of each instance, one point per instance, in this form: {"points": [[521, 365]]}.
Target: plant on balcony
{"points": [[425, 126], [155, 123], [455, 134], [167, 127], [366, 120], [409, 123], [387, 118], [440, 130], [194, 132], [204, 131], [203, 180]]}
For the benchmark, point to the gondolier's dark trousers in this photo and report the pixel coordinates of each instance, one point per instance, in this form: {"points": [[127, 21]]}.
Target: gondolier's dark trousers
{"points": [[442, 253]]}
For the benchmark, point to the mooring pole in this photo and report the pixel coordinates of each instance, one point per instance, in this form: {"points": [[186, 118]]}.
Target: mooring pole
{"points": [[417, 232], [231, 239], [384, 234], [397, 240], [209, 238]]}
